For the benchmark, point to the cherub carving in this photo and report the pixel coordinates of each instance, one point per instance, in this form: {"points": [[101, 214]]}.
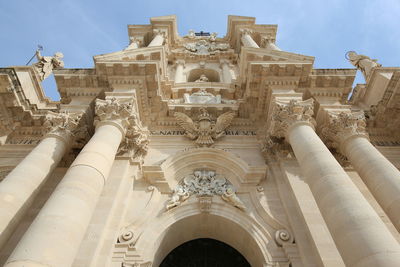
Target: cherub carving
{"points": [[205, 131]]}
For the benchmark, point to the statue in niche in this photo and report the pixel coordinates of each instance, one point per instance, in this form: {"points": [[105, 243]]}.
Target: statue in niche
{"points": [[363, 63], [45, 65], [203, 78]]}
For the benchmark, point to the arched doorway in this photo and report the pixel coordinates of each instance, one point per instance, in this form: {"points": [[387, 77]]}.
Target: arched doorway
{"points": [[204, 252]]}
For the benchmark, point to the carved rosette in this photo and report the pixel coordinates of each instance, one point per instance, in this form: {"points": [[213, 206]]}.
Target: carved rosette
{"points": [[122, 113], [341, 126], [66, 126], [285, 115], [204, 184]]}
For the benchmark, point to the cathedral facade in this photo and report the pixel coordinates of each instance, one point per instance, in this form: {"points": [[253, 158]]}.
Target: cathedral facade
{"points": [[181, 150]]}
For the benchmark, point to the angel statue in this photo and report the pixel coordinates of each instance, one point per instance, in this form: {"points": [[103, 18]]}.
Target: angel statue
{"points": [[45, 65], [363, 63], [204, 130]]}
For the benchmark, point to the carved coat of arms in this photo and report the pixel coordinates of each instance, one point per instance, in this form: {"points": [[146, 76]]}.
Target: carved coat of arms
{"points": [[204, 130]]}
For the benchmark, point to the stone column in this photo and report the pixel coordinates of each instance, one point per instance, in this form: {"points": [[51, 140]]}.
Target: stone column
{"points": [[346, 132], [55, 235], [158, 39], [247, 40], [21, 185], [226, 72], [179, 77], [359, 234]]}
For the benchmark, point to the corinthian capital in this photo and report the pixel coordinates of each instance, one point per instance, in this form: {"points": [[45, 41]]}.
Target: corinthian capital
{"points": [[119, 112], [341, 126], [286, 114], [66, 126]]}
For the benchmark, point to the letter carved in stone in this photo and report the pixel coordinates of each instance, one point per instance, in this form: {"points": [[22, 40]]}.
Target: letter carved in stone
{"points": [[204, 130], [341, 126], [204, 183]]}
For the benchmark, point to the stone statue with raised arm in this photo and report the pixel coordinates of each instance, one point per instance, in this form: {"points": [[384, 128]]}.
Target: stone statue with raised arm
{"points": [[45, 65], [363, 63]]}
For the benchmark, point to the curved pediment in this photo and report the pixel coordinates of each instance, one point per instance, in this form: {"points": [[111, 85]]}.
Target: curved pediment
{"points": [[168, 174]]}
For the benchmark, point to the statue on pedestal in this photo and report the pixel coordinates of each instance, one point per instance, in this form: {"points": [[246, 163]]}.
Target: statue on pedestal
{"points": [[45, 65], [363, 63]]}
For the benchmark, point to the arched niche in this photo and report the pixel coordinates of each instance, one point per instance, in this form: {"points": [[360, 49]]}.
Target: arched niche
{"points": [[212, 75], [177, 166]]}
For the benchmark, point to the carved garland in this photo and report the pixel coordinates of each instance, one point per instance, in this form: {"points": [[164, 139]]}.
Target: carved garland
{"points": [[204, 183]]}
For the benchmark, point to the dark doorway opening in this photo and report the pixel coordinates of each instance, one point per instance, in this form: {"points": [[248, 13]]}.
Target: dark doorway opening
{"points": [[204, 252]]}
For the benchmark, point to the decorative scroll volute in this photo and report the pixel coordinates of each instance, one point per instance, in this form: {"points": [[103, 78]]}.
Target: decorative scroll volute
{"points": [[341, 126]]}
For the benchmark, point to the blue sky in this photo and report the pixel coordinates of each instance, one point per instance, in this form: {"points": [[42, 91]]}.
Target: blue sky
{"points": [[84, 28]]}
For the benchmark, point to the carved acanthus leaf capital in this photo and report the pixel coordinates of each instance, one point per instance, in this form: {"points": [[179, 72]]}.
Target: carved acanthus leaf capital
{"points": [[123, 114], [119, 112], [66, 125], [286, 114], [341, 126]]}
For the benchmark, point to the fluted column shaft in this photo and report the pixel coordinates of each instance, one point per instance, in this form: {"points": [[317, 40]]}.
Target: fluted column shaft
{"points": [[55, 235], [247, 40], [359, 234], [347, 131]]}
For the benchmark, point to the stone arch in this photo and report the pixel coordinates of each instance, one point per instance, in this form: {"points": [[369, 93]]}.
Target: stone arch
{"points": [[235, 169], [212, 75], [222, 223]]}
